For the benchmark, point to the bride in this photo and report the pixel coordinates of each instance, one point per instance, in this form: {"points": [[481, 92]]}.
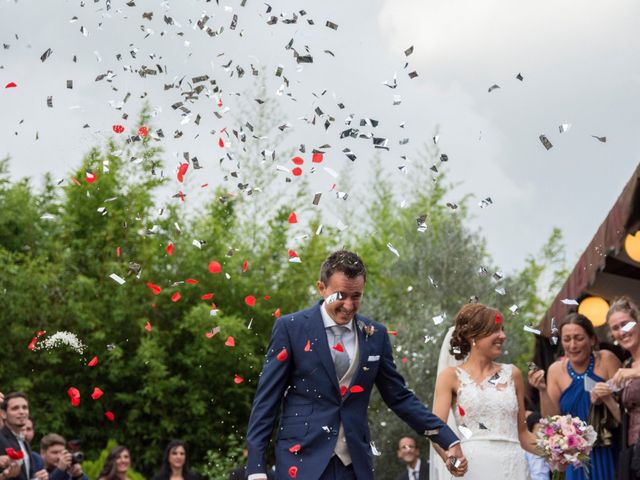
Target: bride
{"points": [[487, 398]]}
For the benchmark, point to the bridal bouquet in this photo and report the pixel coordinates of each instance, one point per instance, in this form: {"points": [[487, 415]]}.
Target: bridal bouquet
{"points": [[565, 440]]}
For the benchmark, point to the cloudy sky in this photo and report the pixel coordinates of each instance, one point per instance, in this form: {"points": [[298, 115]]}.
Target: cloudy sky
{"points": [[578, 61]]}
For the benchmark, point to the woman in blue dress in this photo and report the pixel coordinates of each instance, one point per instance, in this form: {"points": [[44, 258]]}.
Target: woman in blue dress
{"points": [[564, 392]]}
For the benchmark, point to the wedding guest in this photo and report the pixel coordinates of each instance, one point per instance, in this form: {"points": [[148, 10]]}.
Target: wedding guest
{"points": [[117, 464], [563, 392], [622, 319], [58, 461], [15, 410], [28, 432], [175, 463], [416, 468]]}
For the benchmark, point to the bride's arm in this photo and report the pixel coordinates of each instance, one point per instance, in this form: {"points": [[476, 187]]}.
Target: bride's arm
{"points": [[443, 400], [527, 439]]}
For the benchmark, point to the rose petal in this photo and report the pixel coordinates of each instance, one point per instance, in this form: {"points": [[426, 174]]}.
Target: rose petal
{"points": [[392, 332], [97, 393], [154, 288], [143, 131], [307, 347], [206, 296], [297, 160], [245, 265], [460, 411], [182, 170], [338, 347], [293, 472], [32, 344], [250, 300], [295, 448], [283, 355], [191, 281], [221, 143], [356, 389], [170, 249], [317, 157], [238, 379], [343, 390], [175, 297], [498, 318], [93, 362], [110, 416], [90, 176], [230, 342], [277, 313], [215, 267], [297, 171], [293, 218], [118, 128], [10, 85], [147, 326]]}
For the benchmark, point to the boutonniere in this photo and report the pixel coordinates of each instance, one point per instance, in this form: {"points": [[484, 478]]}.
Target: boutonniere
{"points": [[368, 330]]}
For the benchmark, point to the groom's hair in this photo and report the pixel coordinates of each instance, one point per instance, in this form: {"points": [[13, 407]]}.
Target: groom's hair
{"points": [[345, 262]]}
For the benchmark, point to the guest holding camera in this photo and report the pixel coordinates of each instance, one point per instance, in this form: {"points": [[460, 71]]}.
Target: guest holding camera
{"points": [[58, 461]]}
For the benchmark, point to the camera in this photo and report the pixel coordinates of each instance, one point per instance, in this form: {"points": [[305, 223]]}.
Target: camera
{"points": [[77, 456]]}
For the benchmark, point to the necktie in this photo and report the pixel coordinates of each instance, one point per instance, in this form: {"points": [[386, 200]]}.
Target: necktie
{"points": [[340, 359], [415, 475]]}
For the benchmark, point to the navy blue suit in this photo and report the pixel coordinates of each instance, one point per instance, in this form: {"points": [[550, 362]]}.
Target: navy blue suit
{"points": [[306, 385]]}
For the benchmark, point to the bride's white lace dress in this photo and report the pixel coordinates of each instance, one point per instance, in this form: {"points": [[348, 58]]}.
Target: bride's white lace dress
{"points": [[486, 415]]}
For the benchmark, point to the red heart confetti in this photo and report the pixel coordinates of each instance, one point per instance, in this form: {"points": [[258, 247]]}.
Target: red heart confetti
{"points": [[338, 347], [192, 281], [175, 297], [283, 355], [90, 176], [170, 249], [297, 160], [10, 85], [343, 390], [220, 103], [215, 267], [317, 157], [293, 472], [143, 131], [250, 300], [74, 396], [221, 143], [110, 416], [230, 342], [460, 411], [206, 296], [97, 393], [295, 448], [32, 344], [154, 288], [118, 252], [292, 253], [245, 265], [118, 128], [356, 389], [393, 332], [297, 171], [238, 379], [182, 171], [277, 313], [498, 318], [307, 347], [93, 362], [147, 326], [293, 218]]}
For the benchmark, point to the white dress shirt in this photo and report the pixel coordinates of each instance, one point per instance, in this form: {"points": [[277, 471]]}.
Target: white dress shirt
{"points": [[416, 469], [349, 337]]}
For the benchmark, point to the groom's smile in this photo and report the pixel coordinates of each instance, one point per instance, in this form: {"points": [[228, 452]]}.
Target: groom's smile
{"points": [[343, 306]]}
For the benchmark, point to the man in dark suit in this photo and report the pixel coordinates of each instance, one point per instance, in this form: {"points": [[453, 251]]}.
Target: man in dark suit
{"points": [[15, 412], [321, 366], [416, 468]]}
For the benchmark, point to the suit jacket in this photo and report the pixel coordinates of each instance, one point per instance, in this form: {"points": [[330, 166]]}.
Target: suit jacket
{"points": [[304, 383], [424, 471], [8, 440]]}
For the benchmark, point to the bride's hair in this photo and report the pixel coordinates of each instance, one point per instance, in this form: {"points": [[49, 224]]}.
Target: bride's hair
{"points": [[474, 320]]}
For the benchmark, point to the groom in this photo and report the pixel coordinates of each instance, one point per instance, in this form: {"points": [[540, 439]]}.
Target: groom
{"points": [[321, 365]]}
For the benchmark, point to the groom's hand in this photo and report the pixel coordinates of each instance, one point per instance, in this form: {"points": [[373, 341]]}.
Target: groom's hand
{"points": [[456, 461]]}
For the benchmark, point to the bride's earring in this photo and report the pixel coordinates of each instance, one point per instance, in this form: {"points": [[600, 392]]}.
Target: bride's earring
{"points": [[473, 342]]}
